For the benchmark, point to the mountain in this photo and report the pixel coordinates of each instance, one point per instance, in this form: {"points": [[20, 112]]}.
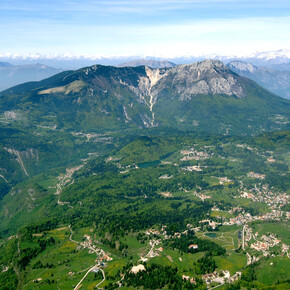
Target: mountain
{"points": [[5, 64], [11, 75], [276, 81], [204, 96], [148, 62], [281, 56]]}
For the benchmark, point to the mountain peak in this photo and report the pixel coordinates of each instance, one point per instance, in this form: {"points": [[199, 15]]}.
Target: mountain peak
{"points": [[210, 63], [208, 77]]}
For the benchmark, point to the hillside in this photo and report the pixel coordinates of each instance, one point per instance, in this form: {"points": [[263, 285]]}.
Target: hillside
{"points": [[145, 203], [205, 96]]}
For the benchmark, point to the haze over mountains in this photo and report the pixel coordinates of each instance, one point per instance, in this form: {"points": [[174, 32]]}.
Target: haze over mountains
{"points": [[279, 58], [11, 75], [277, 81]]}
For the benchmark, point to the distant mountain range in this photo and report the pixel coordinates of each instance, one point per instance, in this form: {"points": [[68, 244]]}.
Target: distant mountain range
{"points": [[11, 75], [205, 96], [279, 59], [277, 81]]}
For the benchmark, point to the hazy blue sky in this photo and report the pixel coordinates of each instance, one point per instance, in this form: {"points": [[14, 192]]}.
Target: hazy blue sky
{"points": [[166, 28]]}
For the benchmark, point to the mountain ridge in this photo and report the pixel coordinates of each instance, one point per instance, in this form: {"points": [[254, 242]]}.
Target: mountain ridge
{"points": [[106, 97]]}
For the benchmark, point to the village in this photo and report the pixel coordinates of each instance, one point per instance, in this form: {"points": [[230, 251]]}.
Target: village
{"points": [[156, 237], [255, 245], [262, 193], [247, 241]]}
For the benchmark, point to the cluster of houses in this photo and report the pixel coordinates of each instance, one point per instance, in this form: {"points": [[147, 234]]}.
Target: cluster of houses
{"points": [[260, 246], [101, 254], [262, 193], [188, 278], [193, 154], [66, 178], [244, 218], [202, 196], [271, 240], [223, 180], [265, 243], [285, 249], [95, 137], [211, 223], [256, 175], [245, 146], [223, 277], [192, 168]]}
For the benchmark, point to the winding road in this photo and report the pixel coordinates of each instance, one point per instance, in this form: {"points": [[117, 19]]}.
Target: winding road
{"points": [[96, 266]]}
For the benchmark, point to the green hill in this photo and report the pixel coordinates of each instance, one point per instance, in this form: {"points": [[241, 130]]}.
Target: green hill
{"points": [[204, 96]]}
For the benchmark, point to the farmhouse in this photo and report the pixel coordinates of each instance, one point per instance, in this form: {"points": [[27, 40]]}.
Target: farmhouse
{"points": [[194, 246]]}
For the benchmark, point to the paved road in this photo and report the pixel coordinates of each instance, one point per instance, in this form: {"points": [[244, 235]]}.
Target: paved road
{"points": [[243, 238], [79, 284], [91, 269], [70, 237], [104, 278]]}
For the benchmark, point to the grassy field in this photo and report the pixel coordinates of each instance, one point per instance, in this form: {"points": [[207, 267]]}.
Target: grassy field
{"points": [[227, 236], [281, 229], [221, 214], [65, 258], [79, 233], [261, 207], [48, 182], [59, 234], [273, 270], [233, 262], [174, 258], [212, 180]]}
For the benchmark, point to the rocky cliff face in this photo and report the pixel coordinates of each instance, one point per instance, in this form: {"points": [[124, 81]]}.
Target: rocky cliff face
{"points": [[30, 153], [209, 77]]}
